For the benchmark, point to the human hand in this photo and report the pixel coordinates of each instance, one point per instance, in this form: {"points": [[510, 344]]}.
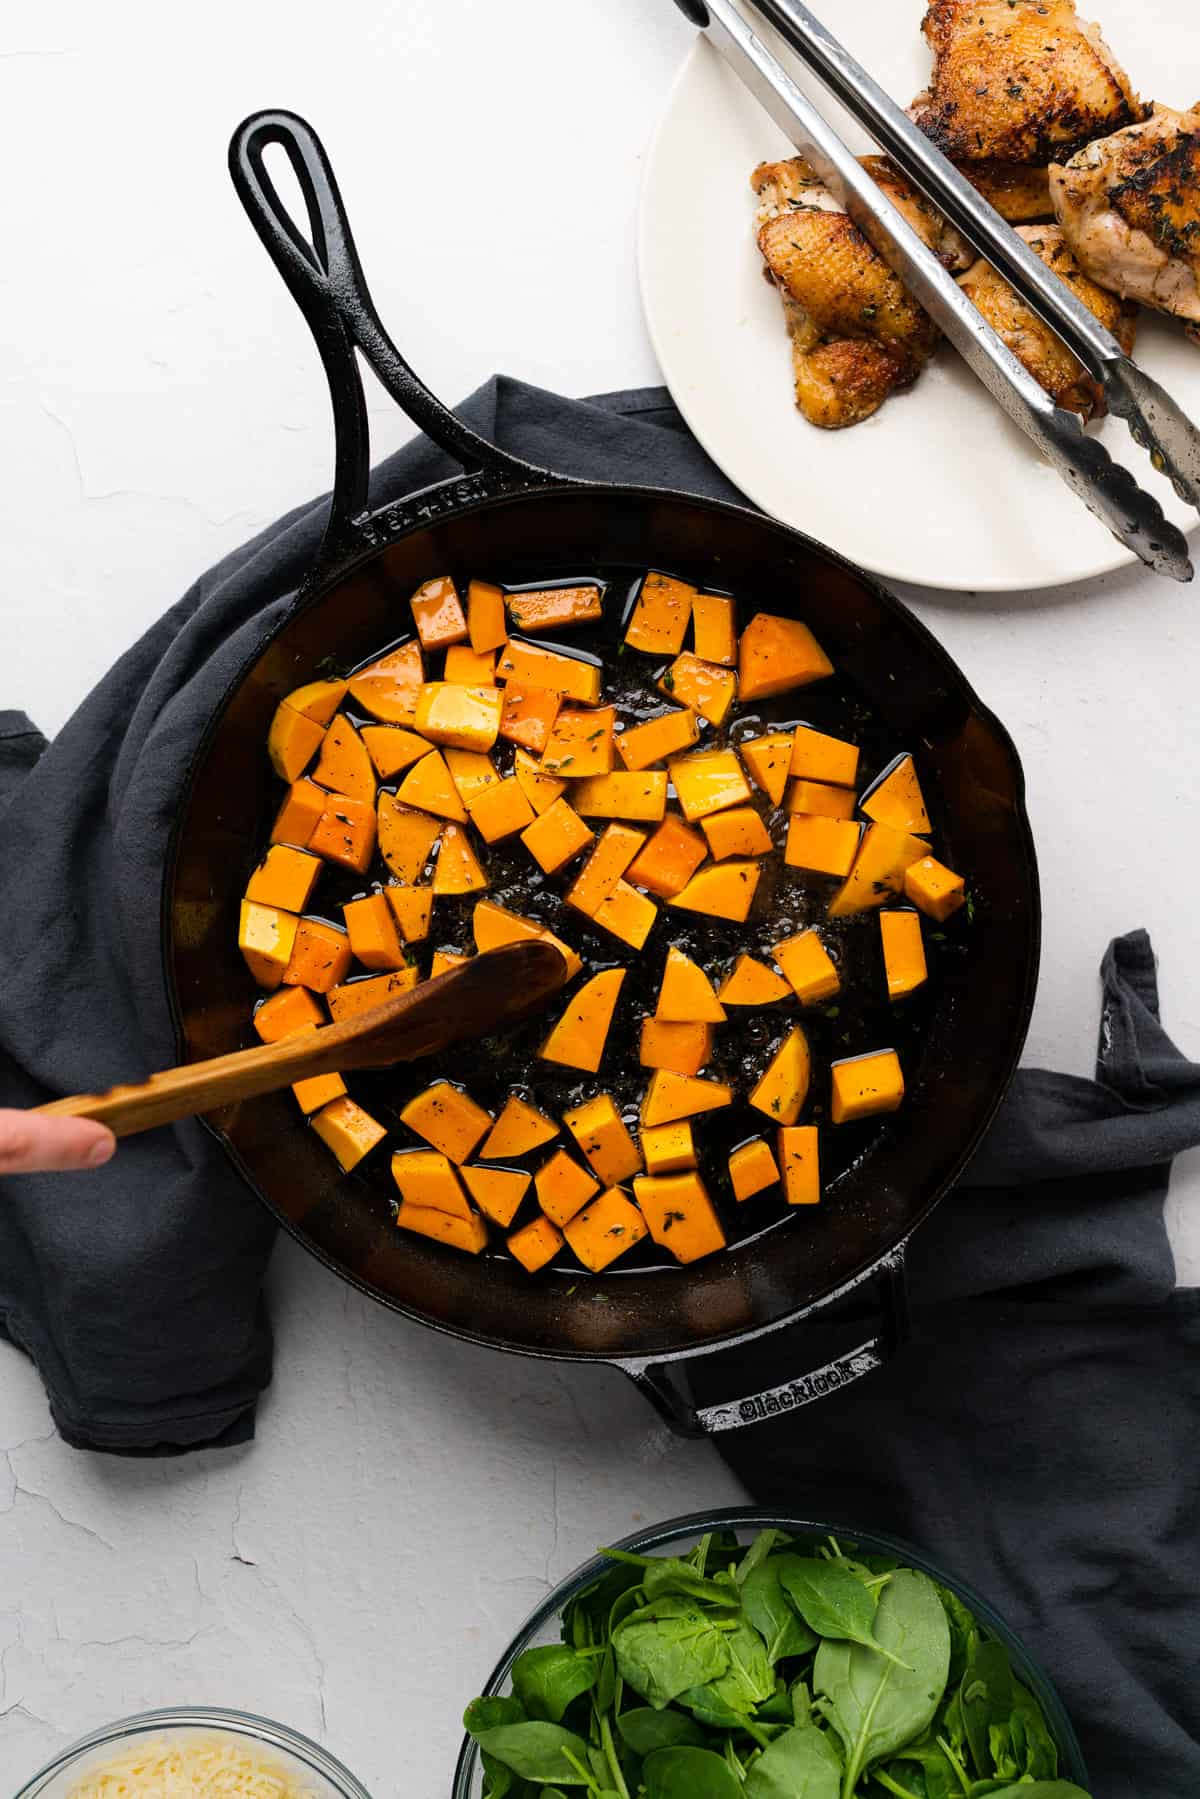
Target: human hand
{"points": [[30, 1141]]}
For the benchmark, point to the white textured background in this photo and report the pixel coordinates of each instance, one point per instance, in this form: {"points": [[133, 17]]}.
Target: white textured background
{"points": [[356, 1570]]}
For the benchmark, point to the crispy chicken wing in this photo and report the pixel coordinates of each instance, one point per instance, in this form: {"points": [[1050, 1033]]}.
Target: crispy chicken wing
{"points": [[1129, 205], [1019, 80], [1033, 343]]}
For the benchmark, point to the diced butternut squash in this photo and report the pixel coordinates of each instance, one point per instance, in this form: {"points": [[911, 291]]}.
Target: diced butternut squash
{"points": [[704, 687], [671, 1096], [606, 1229], [863, 1085], [579, 1037], [344, 765], [896, 798], [485, 616], [659, 621], [617, 847], [668, 1148], [708, 782], [318, 700], [554, 608], [819, 757], [466, 667], [348, 1131], [299, 814], [929, 884], [627, 914], [472, 772], [738, 832], [285, 878], [580, 744], [497, 1192], [903, 952], [571, 677], [751, 983], [412, 908], [640, 797], [353, 997], [494, 926], [462, 718], [266, 937], [878, 869], [539, 788], [600, 1132], [554, 838], [682, 1048], [444, 960], [528, 714], [657, 739], [669, 859], [388, 687], [316, 1092], [536, 1243], [345, 832], [292, 742], [769, 760], [799, 1158], [426, 1177], [290, 1010], [458, 869], [686, 995], [406, 838], [392, 749], [373, 935], [714, 631], [680, 1214], [563, 1187], [438, 614], [519, 1128], [724, 891], [776, 654], [449, 1119], [820, 797], [469, 1234], [810, 969], [783, 1088], [321, 956], [752, 1168], [428, 787], [500, 811], [821, 846]]}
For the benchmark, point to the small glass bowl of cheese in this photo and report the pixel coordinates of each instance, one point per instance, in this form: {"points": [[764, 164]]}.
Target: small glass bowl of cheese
{"points": [[195, 1749]]}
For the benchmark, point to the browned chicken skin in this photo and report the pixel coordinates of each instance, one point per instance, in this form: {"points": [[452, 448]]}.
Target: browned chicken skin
{"points": [[1019, 191]]}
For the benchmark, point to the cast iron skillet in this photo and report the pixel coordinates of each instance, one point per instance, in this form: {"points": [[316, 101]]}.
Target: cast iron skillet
{"points": [[490, 522]]}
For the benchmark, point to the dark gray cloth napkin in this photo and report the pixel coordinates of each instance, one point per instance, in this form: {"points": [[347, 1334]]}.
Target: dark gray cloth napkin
{"points": [[1038, 1434]]}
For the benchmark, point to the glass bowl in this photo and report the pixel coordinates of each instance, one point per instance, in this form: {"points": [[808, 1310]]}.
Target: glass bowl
{"points": [[678, 1535], [296, 1755]]}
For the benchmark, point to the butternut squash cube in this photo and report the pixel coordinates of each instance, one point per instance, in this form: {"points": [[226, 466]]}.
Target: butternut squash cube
{"points": [[494, 926], [428, 787], [539, 788], [738, 832], [680, 1215], [472, 772], [348, 1131], [497, 1192], [714, 631], [686, 995], [783, 1088], [820, 797], [426, 1177], [438, 614], [705, 687], [903, 952], [266, 937], [669, 860], [554, 608], [682, 1048], [579, 1037], [536, 1243], [458, 869], [344, 765], [444, 960], [571, 677], [725, 891], [465, 667], [752, 1168], [299, 814], [345, 832], [290, 1010], [668, 1148], [600, 1132], [657, 739], [352, 997], [388, 687], [769, 760], [449, 1119], [659, 621], [462, 718], [285, 878], [751, 983], [821, 846], [485, 616], [412, 908], [469, 1234], [776, 654], [799, 1157], [672, 1096], [406, 838], [292, 742], [392, 749], [809, 968], [554, 838], [878, 870], [929, 884], [563, 1187], [501, 811], [318, 700], [818, 757], [519, 1128], [581, 743], [318, 1091], [896, 799], [627, 913], [610, 1226], [863, 1085], [640, 797], [321, 956], [371, 925], [528, 714], [612, 855], [708, 782]]}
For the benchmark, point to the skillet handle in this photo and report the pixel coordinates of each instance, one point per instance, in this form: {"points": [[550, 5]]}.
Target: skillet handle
{"points": [[653, 1379], [321, 269]]}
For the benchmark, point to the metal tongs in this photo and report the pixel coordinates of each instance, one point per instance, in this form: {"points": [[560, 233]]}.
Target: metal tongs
{"points": [[1107, 488]]}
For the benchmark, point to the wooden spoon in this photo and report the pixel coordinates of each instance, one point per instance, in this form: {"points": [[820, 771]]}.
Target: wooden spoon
{"points": [[483, 995]]}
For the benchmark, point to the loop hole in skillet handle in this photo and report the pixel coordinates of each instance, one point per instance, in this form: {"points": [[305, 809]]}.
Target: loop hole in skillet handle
{"points": [[320, 266], [671, 1402]]}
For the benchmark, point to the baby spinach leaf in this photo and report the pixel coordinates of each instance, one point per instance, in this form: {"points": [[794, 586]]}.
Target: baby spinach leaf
{"points": [[831, 1600], [750, 1679], [668, 1574], [938, 1777], [757, 1553], [963, 1630], [1034, 1747], [483, 1713], [667, 1647], [1041, 1789], [778, 1708], [545, 1680], [708, 1708], [498, 1781], [986, 1695], [644, 1730], [771, 1612], [687, 1773], [801, 1764], [536, 1751]]}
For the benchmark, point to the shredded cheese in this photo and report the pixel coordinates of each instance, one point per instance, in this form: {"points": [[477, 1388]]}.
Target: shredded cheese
{"points": [[193, 1767]]}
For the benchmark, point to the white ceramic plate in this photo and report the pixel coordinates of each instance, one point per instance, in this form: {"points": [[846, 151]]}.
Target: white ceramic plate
{"points": [[938, 487]]}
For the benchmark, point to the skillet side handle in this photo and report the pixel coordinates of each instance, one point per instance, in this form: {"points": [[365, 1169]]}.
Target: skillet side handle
{"points": [[653, 1379]]}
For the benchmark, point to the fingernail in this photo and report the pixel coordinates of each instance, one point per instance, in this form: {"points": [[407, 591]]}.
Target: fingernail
{"points": [[101, 1153]]}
